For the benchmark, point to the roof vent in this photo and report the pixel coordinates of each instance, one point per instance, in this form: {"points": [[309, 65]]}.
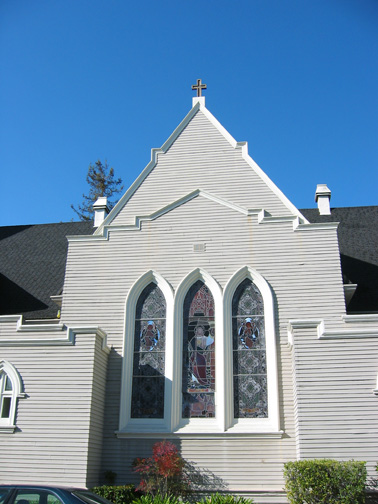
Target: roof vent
{"points": [[101, 210], [322, 197]]}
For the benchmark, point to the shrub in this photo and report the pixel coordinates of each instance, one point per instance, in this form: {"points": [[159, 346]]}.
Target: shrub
{"points": [[325, 482], [124, 494], [225, 499], [163, 473], [158, 499]]}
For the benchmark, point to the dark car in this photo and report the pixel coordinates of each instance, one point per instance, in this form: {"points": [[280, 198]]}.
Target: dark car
{"points": [[35, 494]]}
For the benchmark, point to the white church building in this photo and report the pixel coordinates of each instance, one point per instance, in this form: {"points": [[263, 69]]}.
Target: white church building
{"points": [[205, 309]]}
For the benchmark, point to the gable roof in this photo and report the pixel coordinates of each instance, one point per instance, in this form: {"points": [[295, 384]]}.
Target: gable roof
{"points": [[186, 162], [358, 243], [32, 260], [32, 266]]}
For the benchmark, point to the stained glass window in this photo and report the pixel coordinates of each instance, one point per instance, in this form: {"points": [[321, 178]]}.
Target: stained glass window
{"points": [[149, 355], [249, 353], [198, 372]]}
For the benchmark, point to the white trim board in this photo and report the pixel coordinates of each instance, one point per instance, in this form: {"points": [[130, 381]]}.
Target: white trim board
{"points": [[243, 146]]}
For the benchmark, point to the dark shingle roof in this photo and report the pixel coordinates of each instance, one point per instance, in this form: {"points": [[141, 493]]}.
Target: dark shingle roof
{"points": [[358, 242], [32, 266], [33, 258]]}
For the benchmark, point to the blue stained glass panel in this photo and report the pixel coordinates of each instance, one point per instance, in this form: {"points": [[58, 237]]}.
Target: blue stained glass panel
{"points": [[249, 352], [148, 384]]}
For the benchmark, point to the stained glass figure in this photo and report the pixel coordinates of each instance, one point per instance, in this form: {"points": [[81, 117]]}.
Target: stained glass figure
{"points": [[147, 399], [198, 374], [249, 352]]}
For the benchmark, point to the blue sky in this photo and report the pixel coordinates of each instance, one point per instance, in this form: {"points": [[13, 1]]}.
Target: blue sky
{"points": [[83, 80]]}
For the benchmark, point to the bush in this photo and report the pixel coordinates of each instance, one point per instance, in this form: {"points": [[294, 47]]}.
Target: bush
{"points": [[164, 472], [225, 499], [325, 482], [124, 494], [158, 499]]}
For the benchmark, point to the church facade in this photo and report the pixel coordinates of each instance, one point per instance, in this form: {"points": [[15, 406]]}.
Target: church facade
{"points": [[205, 309]]}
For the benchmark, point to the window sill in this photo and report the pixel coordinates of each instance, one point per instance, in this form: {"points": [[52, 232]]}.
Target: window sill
{"points": [[7, 428], [194, 434]]}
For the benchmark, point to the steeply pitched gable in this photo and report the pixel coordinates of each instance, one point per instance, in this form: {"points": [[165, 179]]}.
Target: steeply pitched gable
{"points": [[200, 154]]}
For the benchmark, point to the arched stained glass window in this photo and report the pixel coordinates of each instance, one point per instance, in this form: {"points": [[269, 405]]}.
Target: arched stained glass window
{"points": [[198, 373], [147, 399], [249, 352]]}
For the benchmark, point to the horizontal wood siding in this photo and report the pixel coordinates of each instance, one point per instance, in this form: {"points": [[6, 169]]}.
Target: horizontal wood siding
{"points": [[302, 268], [337, 409], [97, 415], [200, 158], [51, 442]]}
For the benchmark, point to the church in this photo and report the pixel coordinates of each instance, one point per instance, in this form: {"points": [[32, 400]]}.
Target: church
{"points": [[205, 309]]}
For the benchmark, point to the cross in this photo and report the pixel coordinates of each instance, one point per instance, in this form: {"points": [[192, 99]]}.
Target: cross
{"points": [[199, 86]]}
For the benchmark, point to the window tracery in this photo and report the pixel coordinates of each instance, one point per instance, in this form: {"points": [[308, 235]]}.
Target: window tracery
{"points": [[249, 352], [198, 363], [147, 400]]}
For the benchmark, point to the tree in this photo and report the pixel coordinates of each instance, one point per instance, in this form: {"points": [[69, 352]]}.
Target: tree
{"points": [[100, 178]]}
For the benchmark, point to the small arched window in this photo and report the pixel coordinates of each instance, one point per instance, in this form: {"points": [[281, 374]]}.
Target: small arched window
{"points": [[10, 391], [249, 352], [147, 398], [198, 363]]}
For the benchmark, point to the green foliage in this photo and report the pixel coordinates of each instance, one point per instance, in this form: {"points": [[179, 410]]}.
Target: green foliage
{"points": [[164, 472], [225, 499], [100, 178], [124, 494], [158, 499], [110, 477], [325, 482]]}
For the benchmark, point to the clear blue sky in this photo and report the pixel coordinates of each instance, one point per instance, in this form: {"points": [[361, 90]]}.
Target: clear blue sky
{"points": [[83, 80]]}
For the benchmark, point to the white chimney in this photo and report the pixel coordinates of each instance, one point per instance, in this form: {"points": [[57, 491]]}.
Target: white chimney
{"points": [[322, 197], [101, 210]]}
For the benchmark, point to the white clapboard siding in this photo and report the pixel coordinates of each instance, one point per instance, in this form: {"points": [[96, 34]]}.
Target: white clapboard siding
{"points": [[327, 405], [337, 410], [303, 269], [200, 157], [58, 439]]}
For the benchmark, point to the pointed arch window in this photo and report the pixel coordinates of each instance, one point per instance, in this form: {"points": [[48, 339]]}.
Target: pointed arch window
{"points": [[198, 362], [249, 352], [147, 398]]}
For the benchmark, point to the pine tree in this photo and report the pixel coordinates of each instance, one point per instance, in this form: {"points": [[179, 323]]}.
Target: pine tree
{"points": [[100, 178]]}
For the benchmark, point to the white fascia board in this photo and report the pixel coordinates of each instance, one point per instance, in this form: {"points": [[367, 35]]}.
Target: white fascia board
{"points": [[323, 334], [168, 208], [138, 181], [243, 146], [262, 217], [68, 337], [316, 226]]}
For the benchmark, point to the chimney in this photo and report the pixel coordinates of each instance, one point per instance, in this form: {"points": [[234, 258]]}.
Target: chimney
{"points": [[322, 197], [101, 210]]}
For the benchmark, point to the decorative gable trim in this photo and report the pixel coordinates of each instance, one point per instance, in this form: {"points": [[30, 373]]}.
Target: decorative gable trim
{"points": [[323, 334], [242, 146], [262, 217], [47, 332]]}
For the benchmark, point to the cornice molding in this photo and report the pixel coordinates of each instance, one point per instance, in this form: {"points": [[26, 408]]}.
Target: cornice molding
{"points": [[323, 334], [68, 333]]}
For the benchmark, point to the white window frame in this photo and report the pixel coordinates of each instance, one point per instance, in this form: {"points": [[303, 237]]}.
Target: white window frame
{"points": [[198, 425], [224, 421], [271, 424], [8, 370], [145, 425]]}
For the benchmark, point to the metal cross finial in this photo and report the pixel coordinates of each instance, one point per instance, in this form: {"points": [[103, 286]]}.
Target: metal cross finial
{"points": [[199, 86]]}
